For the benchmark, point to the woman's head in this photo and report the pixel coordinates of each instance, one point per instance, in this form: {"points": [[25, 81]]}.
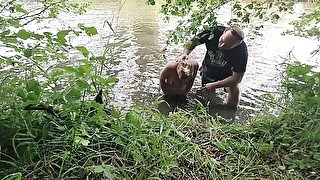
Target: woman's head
{"points": [[184, 69]]}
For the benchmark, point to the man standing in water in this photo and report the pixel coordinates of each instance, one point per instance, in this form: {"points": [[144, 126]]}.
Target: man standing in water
{"points": [[225, 61]]}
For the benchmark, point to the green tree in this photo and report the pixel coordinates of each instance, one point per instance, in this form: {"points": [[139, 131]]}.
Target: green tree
{"points": [[37, 72], [198, 15]]}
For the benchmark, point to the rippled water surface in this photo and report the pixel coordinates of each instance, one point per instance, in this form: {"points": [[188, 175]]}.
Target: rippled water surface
{"points": [[137, 52]]}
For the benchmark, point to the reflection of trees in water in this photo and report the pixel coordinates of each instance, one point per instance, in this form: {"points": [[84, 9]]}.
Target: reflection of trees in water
{"points": [[143, 23]]}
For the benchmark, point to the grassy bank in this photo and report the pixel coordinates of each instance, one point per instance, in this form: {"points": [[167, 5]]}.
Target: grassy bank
{"points": [[143, 143]]}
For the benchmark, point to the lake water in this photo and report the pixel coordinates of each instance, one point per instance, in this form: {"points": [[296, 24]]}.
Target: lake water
{"points": [[136, 52]]}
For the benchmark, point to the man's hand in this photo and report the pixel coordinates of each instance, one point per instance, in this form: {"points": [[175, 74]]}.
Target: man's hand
{"points": [[210, 87], [181, 57]]}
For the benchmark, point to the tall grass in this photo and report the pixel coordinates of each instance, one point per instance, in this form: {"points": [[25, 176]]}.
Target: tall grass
{"points": [[145, 144]]}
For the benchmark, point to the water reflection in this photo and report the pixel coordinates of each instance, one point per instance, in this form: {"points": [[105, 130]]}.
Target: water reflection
{"points": [[138, 78]]}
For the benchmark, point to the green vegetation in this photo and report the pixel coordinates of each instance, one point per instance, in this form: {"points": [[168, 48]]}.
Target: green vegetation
{"points": [[197, 15], [74, 137]]}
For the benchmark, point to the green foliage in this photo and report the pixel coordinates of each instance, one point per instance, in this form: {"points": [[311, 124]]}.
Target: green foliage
{"points": [[200, 15], [259, 12], [32, 59], [36, 71], [13, 176], [307, 26]]}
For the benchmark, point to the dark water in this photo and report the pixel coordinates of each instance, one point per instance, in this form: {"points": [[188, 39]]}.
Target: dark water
{"points": [[137, 56]]}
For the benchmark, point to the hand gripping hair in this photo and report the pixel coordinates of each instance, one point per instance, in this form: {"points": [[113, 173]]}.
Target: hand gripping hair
{"points": [[184, 70]]}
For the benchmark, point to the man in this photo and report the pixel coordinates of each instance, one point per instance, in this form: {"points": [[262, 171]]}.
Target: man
{"points": [[225, 61], [177, 77]]}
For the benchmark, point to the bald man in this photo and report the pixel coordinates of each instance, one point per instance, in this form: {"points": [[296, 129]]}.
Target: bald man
{"points": [[225, 61]]}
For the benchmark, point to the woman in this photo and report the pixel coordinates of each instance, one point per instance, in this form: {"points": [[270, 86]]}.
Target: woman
{"points": [[177, 77]]}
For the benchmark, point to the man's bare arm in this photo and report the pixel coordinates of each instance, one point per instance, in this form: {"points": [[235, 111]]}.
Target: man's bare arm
{"points": [[188, 47], [230, 81]]}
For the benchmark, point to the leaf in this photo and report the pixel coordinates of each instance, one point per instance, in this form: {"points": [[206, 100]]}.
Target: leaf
{"points": [[73, 95], [19, 8], [83, 85], [70, 69], [21, 93], [107, 82], [88, 67], [317, 156], [33, 86], [260, 16], [130, 116], [48, 35], [6, 32], [250, 6], [37, 36], [82, 141], [138, 158], [115, 113], [151, 2], [13, 176], [27, 53], [29, 101], [39, 58], [96, 169], [265, 147], [102, 169], [61, 35], [23, 34], [90, 31], [110, 26], [14, 23], [237, 6], [290, 5], [275, 17], [9, 40], [65, 155], [99, 58], [84, 50], [118, 141], [78, 72], [81, 72], [112, 80]]}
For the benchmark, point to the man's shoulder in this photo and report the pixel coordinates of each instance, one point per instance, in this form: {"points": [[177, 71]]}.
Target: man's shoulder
{"points": [[219, 28], [214, 29], [243, 48], [210, 33]]}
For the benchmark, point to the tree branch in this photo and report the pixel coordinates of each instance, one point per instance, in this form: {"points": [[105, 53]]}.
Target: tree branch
{"points": [[37, 14], [4, 7]]}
